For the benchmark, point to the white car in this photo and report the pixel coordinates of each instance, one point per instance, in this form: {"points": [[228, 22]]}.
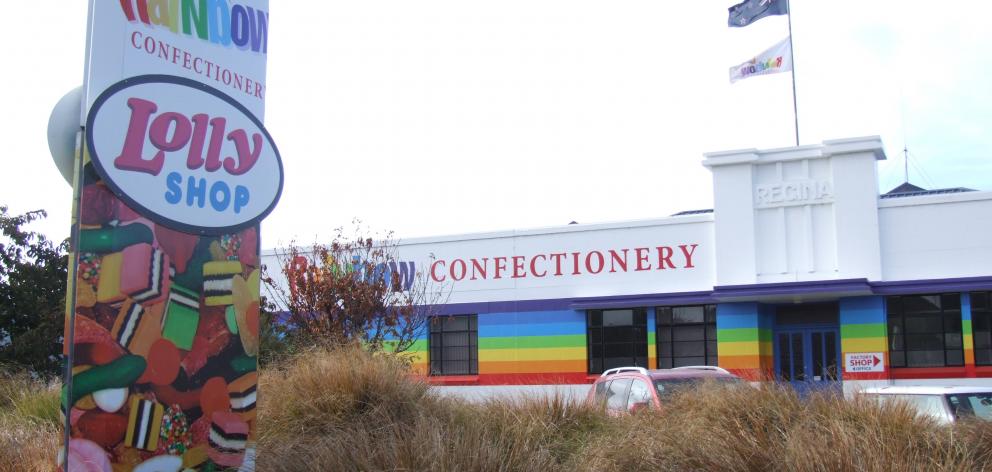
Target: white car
{"points": [[944, 404]]}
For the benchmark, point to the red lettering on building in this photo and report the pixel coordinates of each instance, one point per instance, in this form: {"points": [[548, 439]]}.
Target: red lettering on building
{"points": [[533, 263], [499, 267], [617, 260], [641, 254], [434, 275], [478, 268], [553, 264], [457, 274], [518, 267], [665, 257]]}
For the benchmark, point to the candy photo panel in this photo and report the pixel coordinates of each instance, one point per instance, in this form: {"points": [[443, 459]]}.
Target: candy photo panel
{"points": [[165, 339]]}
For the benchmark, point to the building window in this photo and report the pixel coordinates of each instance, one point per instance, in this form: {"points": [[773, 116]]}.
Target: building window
{"points": [[617, 338], [981, 325], [686, 336], [925, 331], [454, 345]]}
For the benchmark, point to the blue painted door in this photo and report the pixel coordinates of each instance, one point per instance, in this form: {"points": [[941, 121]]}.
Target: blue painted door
{"points": [[808, 358]]}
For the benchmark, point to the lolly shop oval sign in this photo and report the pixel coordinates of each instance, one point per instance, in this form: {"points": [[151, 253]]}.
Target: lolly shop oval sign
{"points": [[184, 154]]}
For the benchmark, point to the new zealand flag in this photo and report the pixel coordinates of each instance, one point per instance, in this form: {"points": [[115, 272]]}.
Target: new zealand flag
{"points": [[749, 11]]}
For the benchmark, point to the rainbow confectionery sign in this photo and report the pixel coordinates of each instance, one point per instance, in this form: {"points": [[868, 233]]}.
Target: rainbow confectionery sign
{"points": [[221, 43], [174, 172], [218, 21]]}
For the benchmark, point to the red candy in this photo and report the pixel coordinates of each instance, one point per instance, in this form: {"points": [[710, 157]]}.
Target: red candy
{"points": [[105, 429], [248, 252], [88, 331], [98, 205], [97, 354], [168, 395], [211, 338], [74, 415], [163, 363], [125, 213], [199, 431], [179, 246], [214, 396], [103, 314]]}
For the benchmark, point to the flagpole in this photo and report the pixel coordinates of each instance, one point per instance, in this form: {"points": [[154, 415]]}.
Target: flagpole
{"points": [[792, 58]]}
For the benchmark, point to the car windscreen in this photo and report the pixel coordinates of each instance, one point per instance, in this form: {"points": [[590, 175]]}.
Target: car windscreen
{"points": [[971, 405], [926, 405], [668, 387]]}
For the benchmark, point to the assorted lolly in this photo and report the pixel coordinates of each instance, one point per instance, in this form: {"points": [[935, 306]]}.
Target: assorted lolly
{"points": [[217, 278], [182, 314], [108, 289], [164, 342], [242, 393], [137, 326], [228, 438], [144, 424], [145, 274]]}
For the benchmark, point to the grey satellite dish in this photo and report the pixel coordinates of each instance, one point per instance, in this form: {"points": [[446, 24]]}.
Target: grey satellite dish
{"points": [[63, 125]]}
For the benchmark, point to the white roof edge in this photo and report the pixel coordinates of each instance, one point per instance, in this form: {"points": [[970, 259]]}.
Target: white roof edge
{"points": [[576, 228], [920, 200], [828, 148]]}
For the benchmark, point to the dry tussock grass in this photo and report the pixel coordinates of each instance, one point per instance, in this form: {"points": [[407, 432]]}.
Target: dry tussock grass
{"points": [[29, 423], [771, 429], [347, 410]]}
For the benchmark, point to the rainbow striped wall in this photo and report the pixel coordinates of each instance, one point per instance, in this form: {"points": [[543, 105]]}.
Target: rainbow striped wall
{"points": [[527, 347], [863, 328], [531, 347], [652, 339], [967, 334], [544, 342], [418, 356], [549, 343], [744, 338]]}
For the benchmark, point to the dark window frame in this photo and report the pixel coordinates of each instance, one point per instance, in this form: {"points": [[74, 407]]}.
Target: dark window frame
{"points": [[597, 332], [436, 348], [981, 321], [665, 322], [946, 312]]}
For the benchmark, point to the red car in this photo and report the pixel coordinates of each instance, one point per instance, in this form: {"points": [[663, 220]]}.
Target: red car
{"points": [[627, 389]]}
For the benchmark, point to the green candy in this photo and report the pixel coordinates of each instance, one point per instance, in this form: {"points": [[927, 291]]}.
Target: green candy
{"points": [[244, 364], [182, 316], [106, 240], [193, 277], [120, 373], [231, 318]]}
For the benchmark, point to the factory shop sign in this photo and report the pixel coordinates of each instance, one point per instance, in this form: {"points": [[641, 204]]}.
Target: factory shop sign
{"points": [[187, 154], [864, 362]]}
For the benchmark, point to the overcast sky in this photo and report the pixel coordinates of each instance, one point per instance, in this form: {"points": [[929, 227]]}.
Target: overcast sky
{"points": [[431, 117]]}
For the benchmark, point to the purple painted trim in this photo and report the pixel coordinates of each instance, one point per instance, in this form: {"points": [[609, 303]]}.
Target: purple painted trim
{"points": [[584, 303], [667, 299], [723, 292], [557, 304], [904, 287]]}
